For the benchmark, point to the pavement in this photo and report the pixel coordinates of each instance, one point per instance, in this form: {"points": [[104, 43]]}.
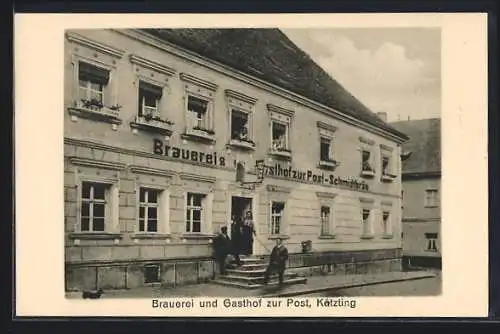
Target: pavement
{"points": [[323, 284]]}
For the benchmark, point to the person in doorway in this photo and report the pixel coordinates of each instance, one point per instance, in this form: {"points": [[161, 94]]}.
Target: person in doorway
{"points": [[222, 247], [248, 234], [236, 238], [277, 262]]}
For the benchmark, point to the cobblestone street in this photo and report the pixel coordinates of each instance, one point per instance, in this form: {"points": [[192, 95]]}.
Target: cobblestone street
{"points": [[415, 283]]}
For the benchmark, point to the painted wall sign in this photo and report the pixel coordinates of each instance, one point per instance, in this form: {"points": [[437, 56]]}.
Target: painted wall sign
{"points": [[310, 176], [187, 154], [277, 170]]}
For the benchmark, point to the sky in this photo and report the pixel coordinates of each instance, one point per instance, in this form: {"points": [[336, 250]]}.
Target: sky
{"points": [[392, 70]]}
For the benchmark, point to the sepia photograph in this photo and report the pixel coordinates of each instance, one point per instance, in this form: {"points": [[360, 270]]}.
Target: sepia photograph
{"points": [[252, 162], [222, 165]]}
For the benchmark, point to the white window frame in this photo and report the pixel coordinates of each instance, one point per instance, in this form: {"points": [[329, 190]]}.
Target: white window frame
{"points": [[287, 135], [88, 89], [330, 148], [368, 146], [111, 219], [204, 213], [284, 117], [242, 103], [249, 126], [327, 132], [367, 231], [157, 110], [146, 205], [386, 223], [273, 216], [434, 202]]}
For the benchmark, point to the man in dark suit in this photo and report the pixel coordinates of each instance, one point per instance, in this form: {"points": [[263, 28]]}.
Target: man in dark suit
{"points": [[222, 247], [277, 261]]}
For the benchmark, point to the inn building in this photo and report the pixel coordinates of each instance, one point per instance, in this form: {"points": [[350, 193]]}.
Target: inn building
{"points": [[168, 132], [421, 177]]}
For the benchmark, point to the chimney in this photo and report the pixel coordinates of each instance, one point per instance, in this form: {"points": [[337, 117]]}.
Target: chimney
{"points": [[383, 116]]}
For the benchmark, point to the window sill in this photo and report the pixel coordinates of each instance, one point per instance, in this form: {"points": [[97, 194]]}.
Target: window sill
{"points": [[367, 173], [327, 236], [330, 165], [100, 114], [367, 236], [430, 206], [199, 135], [197, 236], [156, 126], [150, 235], [287, 155], [387, 236], [95, 236], [387, 178], [242, 144], [283, 237]]}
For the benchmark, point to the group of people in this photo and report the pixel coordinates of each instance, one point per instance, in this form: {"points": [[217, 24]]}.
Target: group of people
{"points": [[241, 243]]}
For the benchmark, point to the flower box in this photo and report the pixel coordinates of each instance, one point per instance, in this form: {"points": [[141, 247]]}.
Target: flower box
{"points": [[387, 177], [199, 134], [281, 153], [244, 144], [328, 164], [152, 124], [94, 109]]}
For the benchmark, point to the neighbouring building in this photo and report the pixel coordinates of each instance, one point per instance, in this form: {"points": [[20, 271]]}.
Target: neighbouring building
{"points": [[421, 177], [163, 129]]}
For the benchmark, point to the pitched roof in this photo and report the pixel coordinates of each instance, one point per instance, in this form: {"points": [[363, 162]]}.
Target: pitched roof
{"points": [[424, 145], [269, 55]]}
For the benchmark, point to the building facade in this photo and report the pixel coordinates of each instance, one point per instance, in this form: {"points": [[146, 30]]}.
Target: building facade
{"points": [[161, 143], [421, 177]]}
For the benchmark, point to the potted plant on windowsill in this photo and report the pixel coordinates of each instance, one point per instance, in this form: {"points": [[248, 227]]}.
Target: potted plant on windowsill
{"points": [[92, 103]]}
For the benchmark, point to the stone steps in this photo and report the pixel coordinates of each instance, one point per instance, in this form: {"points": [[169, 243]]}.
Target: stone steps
{"points": [[250, 275]]}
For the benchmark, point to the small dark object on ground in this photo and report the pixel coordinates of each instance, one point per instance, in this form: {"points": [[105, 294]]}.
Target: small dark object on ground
{"points": [[92, 294]]}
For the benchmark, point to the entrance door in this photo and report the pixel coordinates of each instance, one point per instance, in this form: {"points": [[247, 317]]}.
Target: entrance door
{"points": [[239, 208]]}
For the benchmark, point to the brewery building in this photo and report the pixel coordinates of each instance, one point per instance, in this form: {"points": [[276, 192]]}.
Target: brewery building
{"points": [[170, 132]]}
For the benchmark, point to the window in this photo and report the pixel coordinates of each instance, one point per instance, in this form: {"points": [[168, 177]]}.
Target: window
{"points": [[386, 223], [366, 161], [93, 207], [325, 221], [239, 125], [366, 222], [194, 212], [149, 100], [277, 210], [152, 274], [92, 83], [279, 136], [197, 109], [431, 242], [385, 166], [431, 198], [325, 149], [148, 209]]}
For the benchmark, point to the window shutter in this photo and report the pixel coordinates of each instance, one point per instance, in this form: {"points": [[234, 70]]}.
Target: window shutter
{"points": [[93, 73], [153, 89]]}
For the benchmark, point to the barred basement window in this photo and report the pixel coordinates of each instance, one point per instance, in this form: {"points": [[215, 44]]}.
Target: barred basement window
{"points": [[152, 274], [148, 209], [277, 210], [93, 206]]}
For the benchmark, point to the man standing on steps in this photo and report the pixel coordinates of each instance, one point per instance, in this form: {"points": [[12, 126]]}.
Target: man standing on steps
{"points": [[222, 247], [277, 261]]}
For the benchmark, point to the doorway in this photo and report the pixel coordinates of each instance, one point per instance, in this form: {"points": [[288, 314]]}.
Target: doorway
{"points": [[239, 207]]}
